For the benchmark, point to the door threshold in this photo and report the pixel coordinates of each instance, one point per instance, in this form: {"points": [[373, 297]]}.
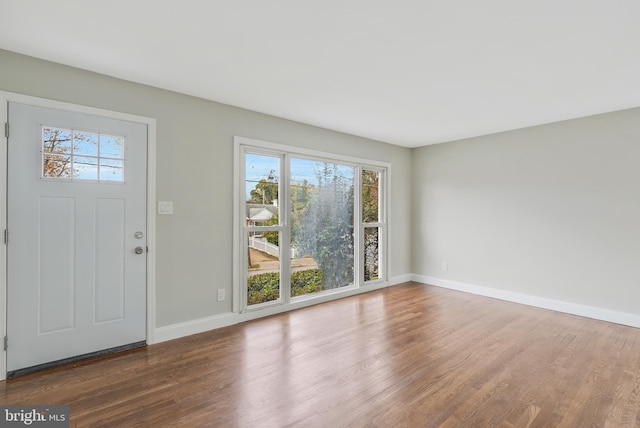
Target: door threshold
{"points": [[51, 364]]}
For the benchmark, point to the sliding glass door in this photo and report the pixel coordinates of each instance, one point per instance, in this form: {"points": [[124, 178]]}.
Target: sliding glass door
{"points": [[310, 225]]}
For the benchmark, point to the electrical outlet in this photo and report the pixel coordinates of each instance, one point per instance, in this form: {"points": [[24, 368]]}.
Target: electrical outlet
{"points": [[445, 266], [221, 295]]}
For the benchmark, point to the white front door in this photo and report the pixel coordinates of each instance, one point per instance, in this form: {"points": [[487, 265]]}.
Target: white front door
{"points": [[76, 254]]}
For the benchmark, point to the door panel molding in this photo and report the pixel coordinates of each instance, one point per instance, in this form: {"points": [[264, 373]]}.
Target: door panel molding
{"points": [[5, 99]]}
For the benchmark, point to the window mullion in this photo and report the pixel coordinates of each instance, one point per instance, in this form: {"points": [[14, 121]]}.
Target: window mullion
{"points": [[285, 253], [358, 229]]}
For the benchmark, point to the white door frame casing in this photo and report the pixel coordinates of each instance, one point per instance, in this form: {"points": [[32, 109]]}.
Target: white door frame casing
{"points": [[5, 99]]}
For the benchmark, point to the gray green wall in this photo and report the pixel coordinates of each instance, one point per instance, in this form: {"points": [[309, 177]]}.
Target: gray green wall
{"points": [[195, 170], [550, 211]]}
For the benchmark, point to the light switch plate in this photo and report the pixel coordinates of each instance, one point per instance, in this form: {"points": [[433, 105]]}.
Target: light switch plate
{"points": [[165, 207]]}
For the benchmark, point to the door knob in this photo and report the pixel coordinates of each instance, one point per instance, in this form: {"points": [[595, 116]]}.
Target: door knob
{"points": [[139, 250]]}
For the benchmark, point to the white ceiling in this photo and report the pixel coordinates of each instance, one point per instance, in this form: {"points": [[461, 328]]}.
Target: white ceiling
{"points": [[407, 72]]}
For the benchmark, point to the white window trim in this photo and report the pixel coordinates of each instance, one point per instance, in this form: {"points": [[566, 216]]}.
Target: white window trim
{"points": [[239, 247]]}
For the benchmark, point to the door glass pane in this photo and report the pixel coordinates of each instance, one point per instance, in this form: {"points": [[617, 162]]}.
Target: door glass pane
{"points": [[85, 168], [371, 253], [56, 140], [370, 196], [111, 146], [263, 268], [56, 165], [111, 170], [85, 144], [261, 189], [321, 210]]}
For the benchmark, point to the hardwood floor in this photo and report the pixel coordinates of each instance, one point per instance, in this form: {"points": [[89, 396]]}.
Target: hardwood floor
{"points": [[406, 356]]}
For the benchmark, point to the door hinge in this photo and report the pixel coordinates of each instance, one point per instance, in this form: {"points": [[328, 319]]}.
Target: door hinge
{"points": [[6, 236], [6, 343], [6, 129]]}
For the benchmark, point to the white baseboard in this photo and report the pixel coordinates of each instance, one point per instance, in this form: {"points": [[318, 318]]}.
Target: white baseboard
{"points": [[400, 279], [187, 328], [602, 314], [201, 325]]}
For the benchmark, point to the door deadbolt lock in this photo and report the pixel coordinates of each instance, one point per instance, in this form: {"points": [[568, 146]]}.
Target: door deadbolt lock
{"points": [[139, 250], [139, 235]]}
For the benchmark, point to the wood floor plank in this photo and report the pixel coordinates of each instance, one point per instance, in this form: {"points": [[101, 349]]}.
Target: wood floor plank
{"points": [[406, 356]]}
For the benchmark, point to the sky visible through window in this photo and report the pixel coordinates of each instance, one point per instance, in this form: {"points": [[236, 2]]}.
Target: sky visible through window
{"points": [[260, 167]]}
